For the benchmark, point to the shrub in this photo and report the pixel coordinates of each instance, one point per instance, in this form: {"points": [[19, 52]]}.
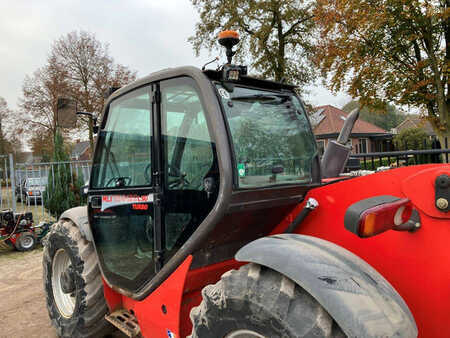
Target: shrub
{"points": [[412, 139], [63, 187]]}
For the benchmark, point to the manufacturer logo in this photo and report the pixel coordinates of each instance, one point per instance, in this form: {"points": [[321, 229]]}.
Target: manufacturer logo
{"points": [[110, 201]]}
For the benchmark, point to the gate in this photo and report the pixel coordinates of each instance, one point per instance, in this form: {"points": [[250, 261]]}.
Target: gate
{"points": [[7, 183]]}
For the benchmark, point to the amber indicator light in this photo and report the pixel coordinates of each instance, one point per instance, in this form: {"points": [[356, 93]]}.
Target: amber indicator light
{"points": [[384, 217]]}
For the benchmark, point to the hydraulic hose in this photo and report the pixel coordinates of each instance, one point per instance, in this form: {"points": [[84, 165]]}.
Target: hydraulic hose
{"points": [[310, 205]]}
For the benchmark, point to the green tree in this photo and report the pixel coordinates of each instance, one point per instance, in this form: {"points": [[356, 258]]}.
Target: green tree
{"points": [[411, 139], [388, 50], [387, 118], [63, 188], [276, 35]]}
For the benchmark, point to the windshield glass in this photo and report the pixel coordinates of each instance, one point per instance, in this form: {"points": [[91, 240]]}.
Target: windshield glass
{"points": [[273, 142]]}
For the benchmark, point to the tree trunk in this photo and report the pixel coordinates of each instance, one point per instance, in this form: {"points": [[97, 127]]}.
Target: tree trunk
{"points": [[91, 135], [442, 137]]}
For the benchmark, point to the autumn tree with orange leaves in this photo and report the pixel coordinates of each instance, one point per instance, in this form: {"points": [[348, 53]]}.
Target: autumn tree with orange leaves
{"points": [[9, 130], [91, 72], [79, 66], [388, 51]]}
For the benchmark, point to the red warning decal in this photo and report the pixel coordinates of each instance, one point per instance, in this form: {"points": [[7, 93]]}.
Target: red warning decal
{"points": [[140, 206], [110, 201]]}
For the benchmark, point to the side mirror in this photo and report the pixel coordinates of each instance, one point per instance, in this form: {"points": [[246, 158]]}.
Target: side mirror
{"points": [[66, 112]]}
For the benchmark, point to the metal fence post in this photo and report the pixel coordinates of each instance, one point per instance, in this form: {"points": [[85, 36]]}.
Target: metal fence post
{"points": [[12, 177]]}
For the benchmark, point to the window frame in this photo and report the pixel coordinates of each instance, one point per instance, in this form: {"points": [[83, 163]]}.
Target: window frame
{"points": [[366, 142]]}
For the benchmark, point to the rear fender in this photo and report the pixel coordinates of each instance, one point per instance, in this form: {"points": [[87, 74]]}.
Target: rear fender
{"points": [[358, 298], [79, 216]]}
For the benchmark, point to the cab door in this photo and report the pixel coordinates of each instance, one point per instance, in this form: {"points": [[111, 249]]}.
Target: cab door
{"points": [[154, 179], [189, 163], [123, 215]]}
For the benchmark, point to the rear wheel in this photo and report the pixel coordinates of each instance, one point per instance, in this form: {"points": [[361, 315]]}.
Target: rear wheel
{"points": [[25, 241], [73, 284], [258, 302]]}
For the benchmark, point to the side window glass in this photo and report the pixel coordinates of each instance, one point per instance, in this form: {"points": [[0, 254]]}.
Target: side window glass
{"points": [[187, 141], [124, 157], [189, 158]]}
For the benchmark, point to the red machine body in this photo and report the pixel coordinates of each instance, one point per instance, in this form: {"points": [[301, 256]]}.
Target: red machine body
{"points": [[417, 264]]}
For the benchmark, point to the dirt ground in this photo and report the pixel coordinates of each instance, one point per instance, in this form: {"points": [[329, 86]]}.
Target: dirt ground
{"points": [[22, 301], [23, 312]]}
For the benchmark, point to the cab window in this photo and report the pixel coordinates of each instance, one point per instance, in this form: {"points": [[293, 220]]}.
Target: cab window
{"points": [[189, 159], [124, 155], [272, 140]]}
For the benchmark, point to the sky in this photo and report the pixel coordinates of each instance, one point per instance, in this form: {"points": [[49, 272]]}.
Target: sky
{"points": [[146, 36]]}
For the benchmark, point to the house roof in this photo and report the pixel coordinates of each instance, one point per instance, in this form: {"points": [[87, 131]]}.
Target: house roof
{"points": [[330, 120], [415, 121], [80, 148], [29, 157]]}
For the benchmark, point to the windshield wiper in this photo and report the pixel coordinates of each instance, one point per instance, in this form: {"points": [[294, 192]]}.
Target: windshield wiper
{"points": [[262, 97]]}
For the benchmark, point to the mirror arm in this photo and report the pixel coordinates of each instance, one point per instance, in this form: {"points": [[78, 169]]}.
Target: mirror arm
{"points": [[94, 120], [85, 113]]}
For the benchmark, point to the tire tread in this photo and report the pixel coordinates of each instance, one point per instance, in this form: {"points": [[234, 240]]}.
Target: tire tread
{"points": [[90, 308], [258, 296]]}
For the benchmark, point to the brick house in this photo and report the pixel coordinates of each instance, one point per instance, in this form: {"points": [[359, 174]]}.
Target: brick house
{"points": [[81, 151], [327, 122], [414, 121]]}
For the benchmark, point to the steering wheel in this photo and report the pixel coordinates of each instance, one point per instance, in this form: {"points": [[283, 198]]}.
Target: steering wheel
{"points": [[119, 181], [178, 178], [178, 181]]}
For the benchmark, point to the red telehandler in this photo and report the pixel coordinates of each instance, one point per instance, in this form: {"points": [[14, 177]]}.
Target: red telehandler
{"points": [[210, 214]]}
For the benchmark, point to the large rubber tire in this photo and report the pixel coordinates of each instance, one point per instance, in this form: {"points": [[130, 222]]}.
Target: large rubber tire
{"points": [[255, 301], [87, 301], [26, 241]]}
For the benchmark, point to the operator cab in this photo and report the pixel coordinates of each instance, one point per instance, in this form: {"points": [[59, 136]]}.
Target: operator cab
{"points": [[192, 162]]}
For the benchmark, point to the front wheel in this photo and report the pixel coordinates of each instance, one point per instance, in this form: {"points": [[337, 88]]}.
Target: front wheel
{"points": [[73, 284], [25, 241], [258, 302]]}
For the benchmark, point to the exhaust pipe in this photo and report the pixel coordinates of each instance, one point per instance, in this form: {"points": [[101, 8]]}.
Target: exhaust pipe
{"points": [[337, 152]]}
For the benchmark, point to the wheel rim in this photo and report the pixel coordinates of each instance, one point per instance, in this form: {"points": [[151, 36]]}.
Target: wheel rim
{"points": [[27, 242], [64, 301], [244, 334]]}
